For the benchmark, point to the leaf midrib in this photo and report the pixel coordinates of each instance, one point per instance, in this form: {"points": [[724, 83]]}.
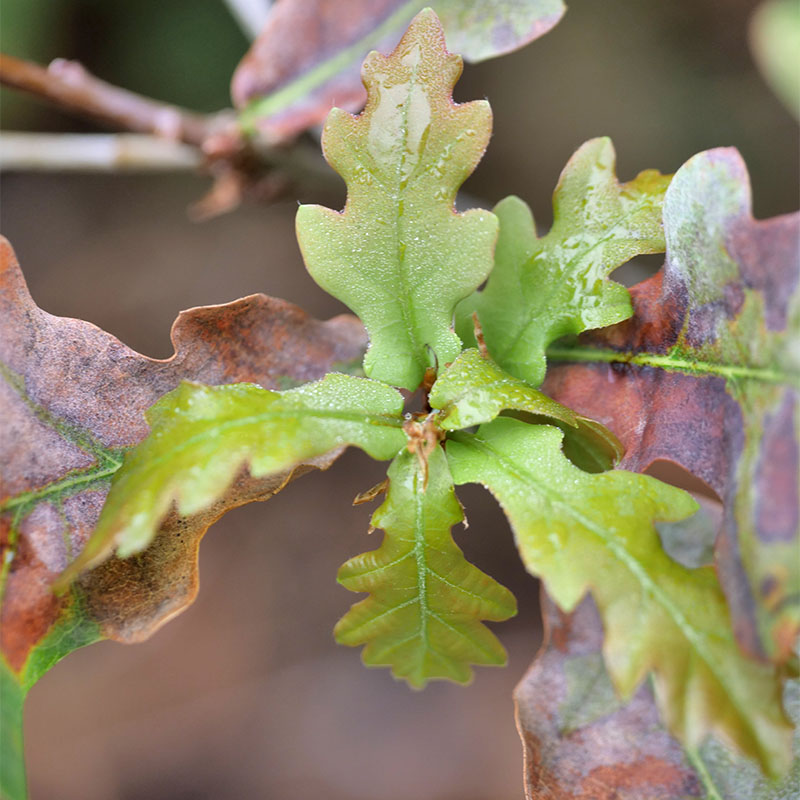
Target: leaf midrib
{"points": [[670, 363], [82, 438], [93, 474], [422, 565], [378, 420], [405, 297]]}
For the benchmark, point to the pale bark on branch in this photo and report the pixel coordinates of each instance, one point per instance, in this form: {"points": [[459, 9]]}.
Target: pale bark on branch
{"points": [[94, 152]]}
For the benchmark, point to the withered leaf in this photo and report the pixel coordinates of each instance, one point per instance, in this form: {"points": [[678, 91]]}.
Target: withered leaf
{"points": [[707, 374], [579, 740], [307, 58], [73, 399]]}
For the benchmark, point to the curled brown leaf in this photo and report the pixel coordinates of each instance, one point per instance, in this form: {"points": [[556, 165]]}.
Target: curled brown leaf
{"points": [[73, 399]]}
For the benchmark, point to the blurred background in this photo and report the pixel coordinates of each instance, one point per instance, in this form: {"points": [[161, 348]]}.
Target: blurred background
{"points": [[246, 694]]}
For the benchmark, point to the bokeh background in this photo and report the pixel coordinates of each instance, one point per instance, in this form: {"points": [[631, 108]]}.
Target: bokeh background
{"points": [[246, 694]]}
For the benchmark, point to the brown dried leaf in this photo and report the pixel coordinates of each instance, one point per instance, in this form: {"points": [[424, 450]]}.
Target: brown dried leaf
{"points": [[307, 58], [579, 740], [72, 399]]}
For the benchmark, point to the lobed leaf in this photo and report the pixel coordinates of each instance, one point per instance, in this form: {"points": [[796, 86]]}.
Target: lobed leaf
{"points": [[73, 399], [474, 390], [202, 436], [543, 289], [580, 738], [707, 374], [399, 255], [423, 615], [581, 532], [306, 60]]}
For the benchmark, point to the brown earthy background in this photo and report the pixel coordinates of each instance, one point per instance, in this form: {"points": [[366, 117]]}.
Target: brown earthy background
{"points": [[246, 694]]}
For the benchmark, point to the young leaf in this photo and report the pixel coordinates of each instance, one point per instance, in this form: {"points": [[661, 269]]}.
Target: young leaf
{"points": [[308, 55], [73, 399], [473, 390], [423, 615], [202, 436], [711, 379], [542, 289], [399, 255], [582, 532]]}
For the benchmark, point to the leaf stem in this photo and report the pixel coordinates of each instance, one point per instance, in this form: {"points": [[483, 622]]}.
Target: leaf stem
{"points": [[699, 766]]}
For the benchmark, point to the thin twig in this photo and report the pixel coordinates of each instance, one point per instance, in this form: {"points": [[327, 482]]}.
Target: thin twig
{"points": [[89, 152], [242, 168], [71, 86]]}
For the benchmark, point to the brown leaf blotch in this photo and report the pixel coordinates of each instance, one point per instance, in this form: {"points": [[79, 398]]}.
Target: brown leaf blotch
{"points": [[624, 754]]}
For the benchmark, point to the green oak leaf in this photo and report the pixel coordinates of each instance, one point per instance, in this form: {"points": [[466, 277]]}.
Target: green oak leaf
{"points": [[202, 436], [474, 390], [423, 615], [581, 532], [399, 255], [543, 289]]}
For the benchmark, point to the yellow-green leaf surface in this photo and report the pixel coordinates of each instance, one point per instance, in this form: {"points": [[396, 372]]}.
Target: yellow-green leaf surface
{"points": [[423, 615], [202, 436], [399, 255], [542, 289], [707, 374], [581, 532], [474, 390]]}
